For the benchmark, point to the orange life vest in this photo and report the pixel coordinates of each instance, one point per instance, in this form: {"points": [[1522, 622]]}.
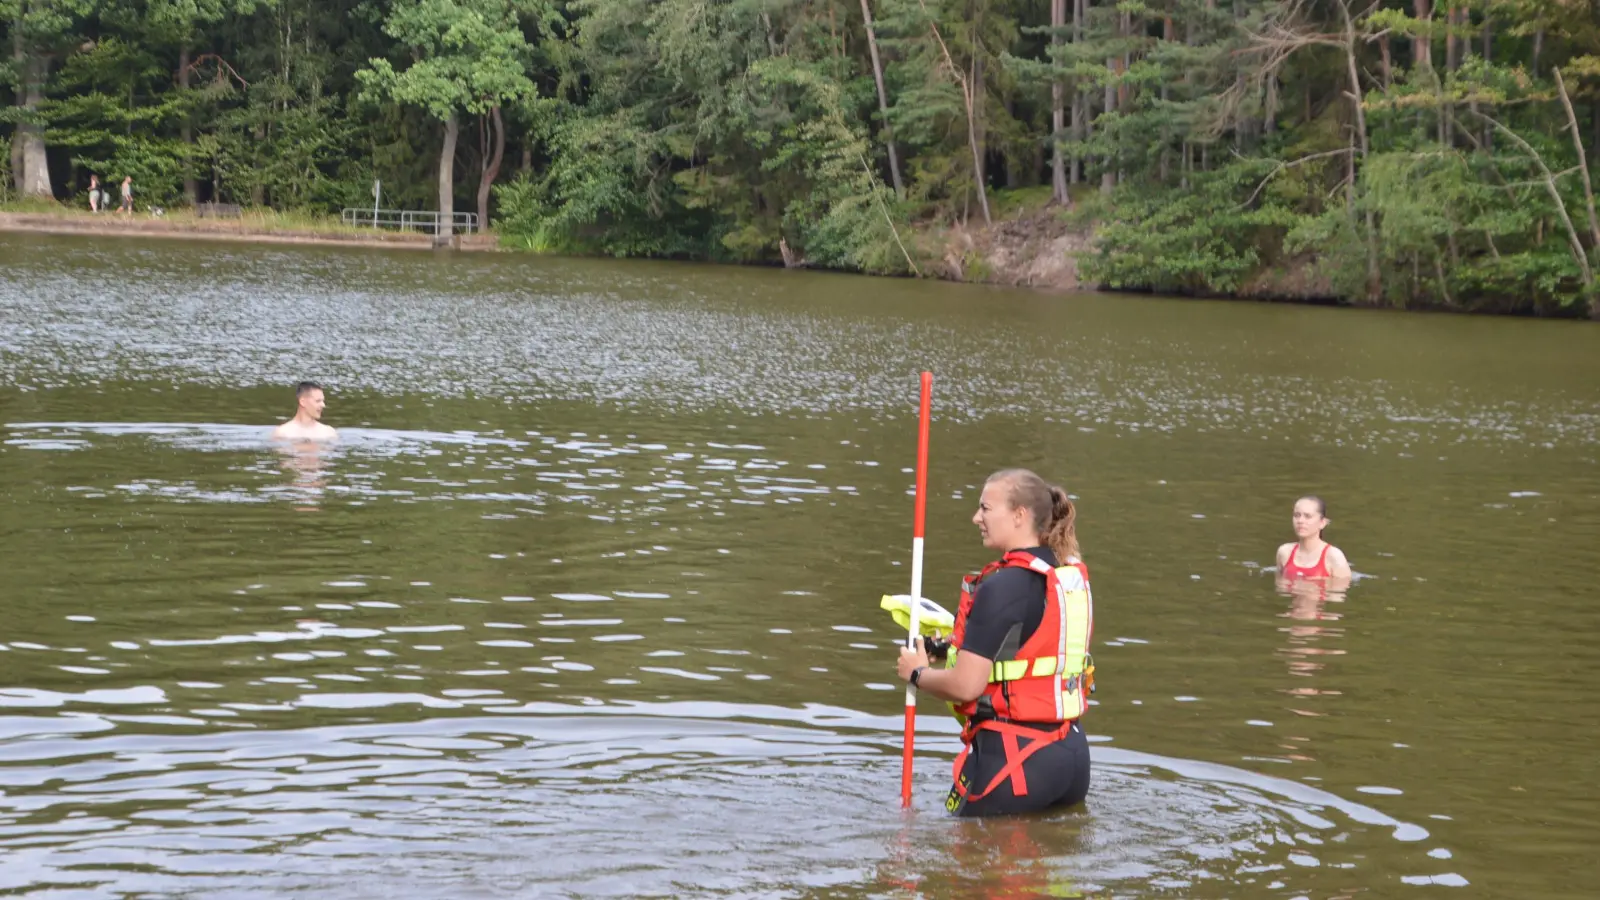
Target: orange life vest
{"points": [[1047, 680]]}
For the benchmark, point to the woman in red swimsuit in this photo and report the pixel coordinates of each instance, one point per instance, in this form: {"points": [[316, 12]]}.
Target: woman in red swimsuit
{"points": [[1309, 557]]}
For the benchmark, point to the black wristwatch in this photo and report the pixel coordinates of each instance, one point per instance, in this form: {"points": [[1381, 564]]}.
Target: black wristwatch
{"points": [[916, 675]]}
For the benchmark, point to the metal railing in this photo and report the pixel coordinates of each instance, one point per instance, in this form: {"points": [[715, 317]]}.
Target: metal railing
{"points": [[424, 221], [218, 210]]}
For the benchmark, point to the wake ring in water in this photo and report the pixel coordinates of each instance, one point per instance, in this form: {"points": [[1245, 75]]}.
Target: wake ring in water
{"points": [[708, 798]]}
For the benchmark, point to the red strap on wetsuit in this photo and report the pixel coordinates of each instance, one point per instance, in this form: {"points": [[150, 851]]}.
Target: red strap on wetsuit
{"points": [[1015, 756]]}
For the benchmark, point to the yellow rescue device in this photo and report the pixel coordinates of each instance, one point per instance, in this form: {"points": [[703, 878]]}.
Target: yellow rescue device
{"points": [[933, 620]]}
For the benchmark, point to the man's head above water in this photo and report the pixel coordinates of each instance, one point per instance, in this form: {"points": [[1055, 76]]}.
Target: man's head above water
{"points": [[307, 422], [311, 399]]}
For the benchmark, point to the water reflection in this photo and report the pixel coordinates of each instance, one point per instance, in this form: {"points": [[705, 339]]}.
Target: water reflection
{"points": [[1004, 859], [305, 462], [1311, 639]]}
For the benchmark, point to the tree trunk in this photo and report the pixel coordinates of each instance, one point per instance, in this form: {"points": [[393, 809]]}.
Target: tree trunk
{"points": [[1113, 88], [1450, 59], [35, 167], [1446, 106], [1074, 167], [1080, 101], [1058, 115], [527, 160], [772, 44], [258, 191], [17, 174], [1421, 45], [1388, 63], [835, 43], [1014, 170], [19, 58], [1455, 19], [1241, 125], [491, 166], [1374, 284], [967, 97], [977, 163], [1169, 33], [447, 163], [1187, 164], [1538, 46], [1269, 118], [1124, 29], [883, 101], [191, 187], [1108, 175], [976, 129]]}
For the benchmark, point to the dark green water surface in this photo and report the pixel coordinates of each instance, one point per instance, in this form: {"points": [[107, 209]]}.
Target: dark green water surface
{"points": [[584, 604]]}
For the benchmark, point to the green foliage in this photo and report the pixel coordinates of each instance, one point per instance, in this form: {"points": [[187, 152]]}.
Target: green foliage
{"points": [[1205, 240], [109, 131], [468, 55], [715, 129], [597, 196], [1020, 201], [1226, 135], [292, 152], [1454, 230]]}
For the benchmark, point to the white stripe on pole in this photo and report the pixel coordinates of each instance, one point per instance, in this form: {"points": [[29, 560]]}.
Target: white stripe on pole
{"points": [[916, 604]]}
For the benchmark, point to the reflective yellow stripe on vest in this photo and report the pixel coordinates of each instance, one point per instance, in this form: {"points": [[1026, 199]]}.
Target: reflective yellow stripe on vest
{"points": [[1015, 669], [1080, 619]]}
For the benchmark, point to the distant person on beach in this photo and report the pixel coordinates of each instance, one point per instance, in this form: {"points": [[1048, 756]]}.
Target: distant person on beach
{"points": [[94, 193], [127, 195], [307, 422], [1309, 557]]}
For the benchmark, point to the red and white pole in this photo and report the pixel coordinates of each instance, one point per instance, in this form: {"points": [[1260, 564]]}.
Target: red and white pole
{"points": [[916, 582]]}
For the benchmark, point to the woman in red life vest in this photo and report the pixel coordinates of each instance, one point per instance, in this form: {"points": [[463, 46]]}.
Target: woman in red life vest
{"points": [[1309, 557], [1022, 674]]}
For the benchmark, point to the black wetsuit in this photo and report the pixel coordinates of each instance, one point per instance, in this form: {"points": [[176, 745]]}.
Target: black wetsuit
{"points": [[1007, 610]]}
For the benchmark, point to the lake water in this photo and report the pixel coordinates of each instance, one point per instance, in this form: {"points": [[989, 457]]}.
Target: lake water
{"points": [[585, 602]]}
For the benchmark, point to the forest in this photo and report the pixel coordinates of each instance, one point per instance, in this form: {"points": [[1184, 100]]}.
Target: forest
{"points": [[1406, 153]]}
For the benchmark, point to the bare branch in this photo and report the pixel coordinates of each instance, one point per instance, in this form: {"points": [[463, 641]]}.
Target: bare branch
{"points": [[1289, 165], [972, 124], [1578, 253], [1583, 158], [873, 182], [221, 64]]}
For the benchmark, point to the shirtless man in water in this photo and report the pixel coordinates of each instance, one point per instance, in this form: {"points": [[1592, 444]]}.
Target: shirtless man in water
{"points": [[307, 422]]}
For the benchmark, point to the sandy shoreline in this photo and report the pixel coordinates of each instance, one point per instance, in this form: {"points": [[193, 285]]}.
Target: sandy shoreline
{"points": [[235, 230]]}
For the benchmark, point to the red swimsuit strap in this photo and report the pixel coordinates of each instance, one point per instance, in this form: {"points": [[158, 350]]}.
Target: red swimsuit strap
{"points": [[1320, 566]]}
